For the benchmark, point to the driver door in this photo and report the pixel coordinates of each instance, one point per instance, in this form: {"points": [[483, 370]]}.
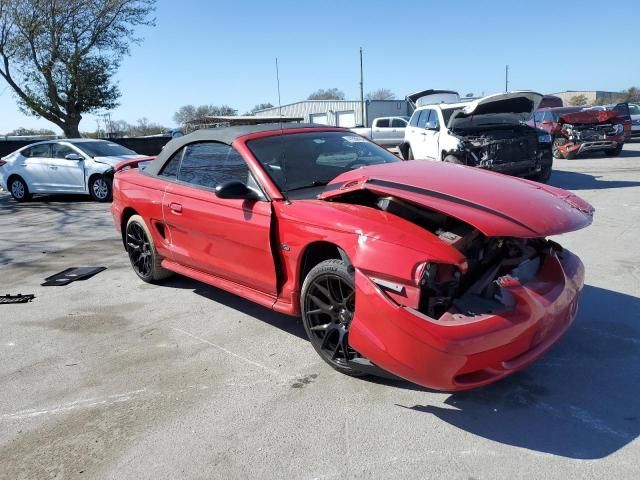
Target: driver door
{"points": [[227, 238]]}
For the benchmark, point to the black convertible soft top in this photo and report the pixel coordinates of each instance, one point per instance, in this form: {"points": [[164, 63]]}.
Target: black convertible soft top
{"points": [[223, 135]]}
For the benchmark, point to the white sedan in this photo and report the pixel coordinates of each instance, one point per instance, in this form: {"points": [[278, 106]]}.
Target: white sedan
{"points": [[63, 166]]}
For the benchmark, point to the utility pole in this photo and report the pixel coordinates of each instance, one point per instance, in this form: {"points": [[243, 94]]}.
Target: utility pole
{"points": [[506, 79], [364, 123]]}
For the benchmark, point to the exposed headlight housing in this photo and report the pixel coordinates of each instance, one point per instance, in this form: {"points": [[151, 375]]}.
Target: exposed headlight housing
{"points": [[545, 138]]}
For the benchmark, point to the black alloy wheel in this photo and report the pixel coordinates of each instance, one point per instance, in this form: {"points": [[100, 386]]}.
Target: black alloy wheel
{"points": [[328, 304], [140, 250]]}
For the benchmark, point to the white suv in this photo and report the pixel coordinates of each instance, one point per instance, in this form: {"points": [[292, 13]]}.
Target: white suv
{"points": [[488, 132]]}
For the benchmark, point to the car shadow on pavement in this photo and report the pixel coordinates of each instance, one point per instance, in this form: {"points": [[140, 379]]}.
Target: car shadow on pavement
{"points": [[585, 181], [285, 323], [578, 401], [40, 202]]}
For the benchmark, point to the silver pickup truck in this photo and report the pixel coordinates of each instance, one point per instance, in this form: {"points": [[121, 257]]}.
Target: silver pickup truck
{"points": [[386, 131]]}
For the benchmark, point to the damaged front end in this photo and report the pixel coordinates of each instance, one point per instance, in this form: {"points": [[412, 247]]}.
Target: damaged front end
{"points": [[505, 297], [586, 131], [514, 149]]}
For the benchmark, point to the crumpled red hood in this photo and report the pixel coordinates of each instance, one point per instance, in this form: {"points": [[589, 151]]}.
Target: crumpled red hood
{"points": [[589, 117], [495, 204]]}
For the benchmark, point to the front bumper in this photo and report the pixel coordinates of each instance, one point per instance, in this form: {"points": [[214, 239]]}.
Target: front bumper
{"points": [[521, 167], [458, 352], [572, 149]]}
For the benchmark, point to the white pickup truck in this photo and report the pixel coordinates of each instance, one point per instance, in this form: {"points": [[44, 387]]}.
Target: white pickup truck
{"points": [[386, 131]]}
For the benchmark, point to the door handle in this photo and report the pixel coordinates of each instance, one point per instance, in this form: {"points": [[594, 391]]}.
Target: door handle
{"points": [[175, 208], [53, 167]]}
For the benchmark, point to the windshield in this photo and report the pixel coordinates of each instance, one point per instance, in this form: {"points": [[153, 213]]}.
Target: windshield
{"points": [[447, 112], [104, 149], [304, 160]]}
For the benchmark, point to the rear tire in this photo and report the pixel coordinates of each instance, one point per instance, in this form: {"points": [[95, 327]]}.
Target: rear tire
{"points": [[143, 255], [19, 189], [327, 303], [614, 152], [410, 154]]}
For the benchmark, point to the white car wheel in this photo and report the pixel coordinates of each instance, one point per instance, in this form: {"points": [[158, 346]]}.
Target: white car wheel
{"points": [[19, 190], [101, 189]]}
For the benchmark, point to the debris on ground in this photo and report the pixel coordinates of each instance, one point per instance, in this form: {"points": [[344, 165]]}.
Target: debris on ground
{"points": [[72, 274], [19, 298]]}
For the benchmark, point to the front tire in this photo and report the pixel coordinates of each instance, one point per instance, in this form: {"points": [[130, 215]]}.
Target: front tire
{"points": [[544, 175], [19, 189], [554, 148], [614, 152], [327, 304], [143, 255], [101, 188]]}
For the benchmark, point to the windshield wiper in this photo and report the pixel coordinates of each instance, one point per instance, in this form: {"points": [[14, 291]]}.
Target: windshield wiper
{"points": [[315, 183]]}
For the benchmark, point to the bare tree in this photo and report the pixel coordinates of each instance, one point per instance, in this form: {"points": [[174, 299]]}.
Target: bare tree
{"points": [[59, 56], [261, 106], [578, 100], [188, 113], [21, 131], [328, 94], [381, 94]]}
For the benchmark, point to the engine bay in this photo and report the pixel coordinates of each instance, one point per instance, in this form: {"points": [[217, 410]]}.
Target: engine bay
{"points": [[443, 286]]}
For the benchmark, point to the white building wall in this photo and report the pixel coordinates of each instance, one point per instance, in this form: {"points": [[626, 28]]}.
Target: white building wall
{"points": [[308, 108]]}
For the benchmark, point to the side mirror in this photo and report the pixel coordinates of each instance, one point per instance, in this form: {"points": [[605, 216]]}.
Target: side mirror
{"points": [[74, 156], [234, 189]]}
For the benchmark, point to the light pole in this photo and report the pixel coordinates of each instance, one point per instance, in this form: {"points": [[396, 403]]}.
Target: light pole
{"points": [[364, 123]]}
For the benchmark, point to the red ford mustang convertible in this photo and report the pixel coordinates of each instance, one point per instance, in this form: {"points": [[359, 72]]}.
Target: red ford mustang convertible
{"points": [[438, 273]]}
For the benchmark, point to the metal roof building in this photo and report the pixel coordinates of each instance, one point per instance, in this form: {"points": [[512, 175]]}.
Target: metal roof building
{"points": [[340, 113]]}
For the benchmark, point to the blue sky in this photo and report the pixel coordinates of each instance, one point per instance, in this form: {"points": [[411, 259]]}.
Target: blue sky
{"points": [[223, 52]]}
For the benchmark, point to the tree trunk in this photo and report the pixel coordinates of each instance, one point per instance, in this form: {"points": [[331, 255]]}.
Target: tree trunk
{"points": [[71, 126]]}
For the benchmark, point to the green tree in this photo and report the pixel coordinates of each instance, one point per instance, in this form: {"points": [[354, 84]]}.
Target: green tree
{"points": [[328, 94], [59, 56], [380, 94], [578, 100], [190, 113]]}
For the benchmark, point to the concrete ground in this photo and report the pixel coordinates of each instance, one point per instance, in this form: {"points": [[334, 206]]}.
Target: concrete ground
{"points": [[112, 378]]}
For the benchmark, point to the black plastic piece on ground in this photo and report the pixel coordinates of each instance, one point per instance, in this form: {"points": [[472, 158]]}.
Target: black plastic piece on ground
{"points": [[19, 298], [72, 274]]}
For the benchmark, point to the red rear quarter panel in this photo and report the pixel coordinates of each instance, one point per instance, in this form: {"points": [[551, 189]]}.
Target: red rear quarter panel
{"points": [[135, 192]]}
